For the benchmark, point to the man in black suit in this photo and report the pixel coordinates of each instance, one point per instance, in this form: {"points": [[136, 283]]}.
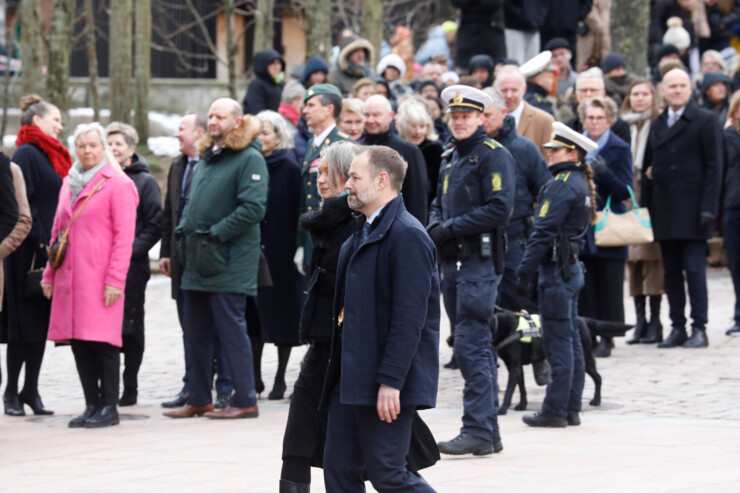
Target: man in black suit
{"points": [[681, 188], [191, 129]]}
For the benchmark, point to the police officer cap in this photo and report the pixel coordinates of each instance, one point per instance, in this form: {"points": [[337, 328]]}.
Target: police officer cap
{"points": [[321, 89], [465, 98], [564, 136], [536, 64]]}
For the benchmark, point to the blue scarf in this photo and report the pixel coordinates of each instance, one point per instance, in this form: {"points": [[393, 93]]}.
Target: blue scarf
{"points": [[601, 143]]}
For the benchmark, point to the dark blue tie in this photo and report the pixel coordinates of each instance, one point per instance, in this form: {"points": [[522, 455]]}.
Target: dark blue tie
{"points": [[366, 231]]}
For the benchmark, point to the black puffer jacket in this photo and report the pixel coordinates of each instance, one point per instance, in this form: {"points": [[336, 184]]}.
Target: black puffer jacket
{"points": [[481, 30], [329, 226], [263, 92]]}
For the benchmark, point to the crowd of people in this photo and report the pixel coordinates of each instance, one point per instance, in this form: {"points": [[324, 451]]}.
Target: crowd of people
{"points": [[338, 202]]}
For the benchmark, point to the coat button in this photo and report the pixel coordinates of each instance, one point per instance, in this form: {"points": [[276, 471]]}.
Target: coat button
{"points": [[309, 207], [308, 183], [308, 196]]}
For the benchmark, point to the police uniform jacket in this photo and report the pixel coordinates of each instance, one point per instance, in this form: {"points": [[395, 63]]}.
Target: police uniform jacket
{"points": [[686, 160], [475, 193], [387, 310], [537, 96], [531, 173], [564, 207]]}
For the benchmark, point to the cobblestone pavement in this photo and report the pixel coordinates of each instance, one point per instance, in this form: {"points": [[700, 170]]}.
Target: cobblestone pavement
{"points": [[669, 421]]}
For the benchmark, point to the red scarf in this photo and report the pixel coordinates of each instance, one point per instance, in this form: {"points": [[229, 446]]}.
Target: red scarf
{"points": [[57, 154]]}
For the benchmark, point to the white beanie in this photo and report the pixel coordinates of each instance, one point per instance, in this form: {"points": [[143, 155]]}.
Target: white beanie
{"points": [[676, 35]]}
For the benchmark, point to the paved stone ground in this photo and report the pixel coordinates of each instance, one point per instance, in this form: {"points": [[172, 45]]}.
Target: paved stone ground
{"points": [[669, 421]]}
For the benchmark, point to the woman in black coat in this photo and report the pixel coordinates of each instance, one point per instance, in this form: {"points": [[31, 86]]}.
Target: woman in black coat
{"points": [[330, 226], [279, 307], [122, 140], [266, 88], [44, 162]]}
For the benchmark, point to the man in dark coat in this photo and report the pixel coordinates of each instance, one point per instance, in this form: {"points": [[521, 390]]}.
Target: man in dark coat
{"points": [[266, 88], [562, 20], [681, 186], [415, 190], [191, 128], [385, 357], [481, 30]]}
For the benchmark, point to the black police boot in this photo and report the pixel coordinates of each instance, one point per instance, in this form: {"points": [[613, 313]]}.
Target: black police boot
{"points": [[291, 487], [79, 421], [698, 338], [452, 364], [655, 328], [735, 329], [465, 443], [543, 419], [107, 416], [604, 348], [573, 418], [676, 338], [641, 323]]}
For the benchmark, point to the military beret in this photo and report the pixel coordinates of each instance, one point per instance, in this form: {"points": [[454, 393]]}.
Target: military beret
{"points": [[321, 89]]}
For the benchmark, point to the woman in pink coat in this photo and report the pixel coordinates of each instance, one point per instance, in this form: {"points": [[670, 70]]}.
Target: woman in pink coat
{"points": [[87, 288]]}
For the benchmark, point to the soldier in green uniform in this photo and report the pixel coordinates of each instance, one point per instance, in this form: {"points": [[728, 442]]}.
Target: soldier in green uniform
{"points": [[321, 107]]}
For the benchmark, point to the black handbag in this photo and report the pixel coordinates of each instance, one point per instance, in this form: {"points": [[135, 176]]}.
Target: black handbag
{"points": [[32, 281], [423, 451]]}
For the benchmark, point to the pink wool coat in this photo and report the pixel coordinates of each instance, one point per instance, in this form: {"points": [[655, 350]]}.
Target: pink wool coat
{"points": [[98, 254]]}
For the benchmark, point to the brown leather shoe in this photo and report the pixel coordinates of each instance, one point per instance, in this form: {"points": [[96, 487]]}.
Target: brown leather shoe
{"points": [[188, 411], [230, 412]]}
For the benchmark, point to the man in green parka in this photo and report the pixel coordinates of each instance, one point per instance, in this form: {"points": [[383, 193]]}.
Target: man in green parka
{"points": [[218, 245]]}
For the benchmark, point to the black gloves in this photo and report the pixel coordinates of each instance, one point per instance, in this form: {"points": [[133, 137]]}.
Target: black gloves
{"points": [[526, 288], [439, 234], [706, 222], [598, 165]]}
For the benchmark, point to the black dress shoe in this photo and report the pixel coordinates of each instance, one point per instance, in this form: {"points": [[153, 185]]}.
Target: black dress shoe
{"points": [[573, 418], [465, 443], [79, 421], [222, 400], [278, 391], [178, 401], [452, 364], [543, 419], [698, 339], [735, 329], [106, 416], [13, 406], [676, 338], [128, 397], [35, 404], [291, 487]]}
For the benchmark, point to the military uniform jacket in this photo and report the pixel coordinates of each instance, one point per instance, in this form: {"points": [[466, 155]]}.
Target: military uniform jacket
{"points": [[537, 96], [310, 197], [476, 188], [563, 206]]}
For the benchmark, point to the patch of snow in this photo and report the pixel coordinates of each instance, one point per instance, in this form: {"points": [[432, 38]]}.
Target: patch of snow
{"points": [[9, 141], [168, 121], [163, 146]]}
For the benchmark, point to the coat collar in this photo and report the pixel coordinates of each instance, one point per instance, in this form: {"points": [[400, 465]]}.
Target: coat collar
{"points": [[384, 221], [683, 122], [239, 138]]}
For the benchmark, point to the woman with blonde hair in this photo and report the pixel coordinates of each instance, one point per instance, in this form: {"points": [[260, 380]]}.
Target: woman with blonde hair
{"points": [[352, 118]]}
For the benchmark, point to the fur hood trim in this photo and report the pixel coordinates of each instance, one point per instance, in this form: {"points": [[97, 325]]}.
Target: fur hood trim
{"points": [[356, 44], [238, 139]]}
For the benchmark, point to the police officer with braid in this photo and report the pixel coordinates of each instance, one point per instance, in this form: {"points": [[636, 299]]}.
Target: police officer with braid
{"points": [[565, 209], [475, 198]]}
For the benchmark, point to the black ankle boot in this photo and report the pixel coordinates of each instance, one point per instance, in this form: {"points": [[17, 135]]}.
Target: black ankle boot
{"points": [[291, 487], [641, 323], [278, 390], [128, 397], [655, 328], [79, 421], [35, 404], [106, 416], [698, 338], [676, 338], [13, 406]]}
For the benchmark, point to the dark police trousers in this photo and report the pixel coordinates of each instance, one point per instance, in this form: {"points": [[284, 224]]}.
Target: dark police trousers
{"points": [[559, 313], [358, 442], [689, 256], [469, 296]]}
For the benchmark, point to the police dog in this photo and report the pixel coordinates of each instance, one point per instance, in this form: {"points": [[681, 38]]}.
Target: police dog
{"points": [[517, 354]]}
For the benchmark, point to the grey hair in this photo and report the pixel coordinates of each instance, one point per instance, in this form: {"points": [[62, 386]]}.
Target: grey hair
{"points": [[412, 111], [128, 132], [339, 157], [605, 103], [279, 126], [498, 98], [292, 90], [201, 119], [382, 100], [509, 69], [592, 73]]}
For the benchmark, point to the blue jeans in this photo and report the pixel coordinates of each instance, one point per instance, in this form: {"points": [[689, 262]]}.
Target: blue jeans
{"points": [[221, 314]]}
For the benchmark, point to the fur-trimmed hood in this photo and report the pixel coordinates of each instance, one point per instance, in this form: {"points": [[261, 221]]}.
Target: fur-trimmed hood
{"points": [[350, 44], [238, 139]]}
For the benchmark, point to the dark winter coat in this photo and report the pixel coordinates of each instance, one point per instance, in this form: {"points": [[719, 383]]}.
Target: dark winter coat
{"points": [[330, 226], [721, 24], [537, 96], [720, 109], [345, 73], [731, 171], [485, 62], [168, 247], [279, 307], [8, 204], [481, 30], [531, 173], [432, 153], [525, 15], [300, 140], [263, 92], [612, 181], [388, 299], [27, 319], [148, 232], [313, 64], [415, 189], [563, 16], [686, 160]]}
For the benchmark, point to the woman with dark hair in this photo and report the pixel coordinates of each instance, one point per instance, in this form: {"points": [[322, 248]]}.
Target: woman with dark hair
{"points": [[603, 295], [644, 263], [44, 162]]}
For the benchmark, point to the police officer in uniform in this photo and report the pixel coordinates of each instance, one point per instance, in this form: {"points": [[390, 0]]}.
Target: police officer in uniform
{"points": [[322, 104], [565, 211], [541, 77], [475, 198]]}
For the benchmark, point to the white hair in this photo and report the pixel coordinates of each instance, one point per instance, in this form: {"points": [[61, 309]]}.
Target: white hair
{"points": [[414, 112], [498, 99], [96, 127], [279, 126], [592, 73]]}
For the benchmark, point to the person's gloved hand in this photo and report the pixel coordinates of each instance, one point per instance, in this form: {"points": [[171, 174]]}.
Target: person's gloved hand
{"points": [[298, 260], [706, 222], [598, 165], [526, 288], [439, 235]]}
